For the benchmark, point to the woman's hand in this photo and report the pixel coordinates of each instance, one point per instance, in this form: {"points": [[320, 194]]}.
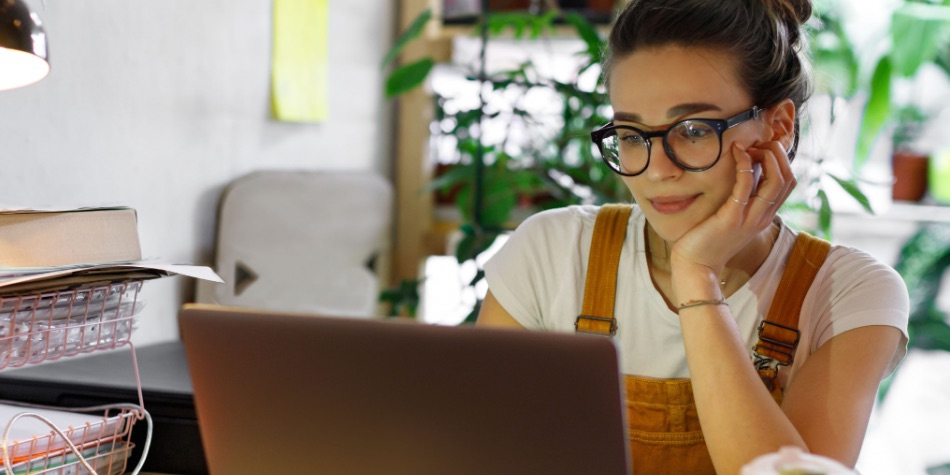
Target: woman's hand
{"points": [[746, 214]]}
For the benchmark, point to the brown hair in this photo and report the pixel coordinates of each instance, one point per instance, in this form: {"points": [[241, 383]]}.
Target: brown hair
{"points": [[765, 37]]}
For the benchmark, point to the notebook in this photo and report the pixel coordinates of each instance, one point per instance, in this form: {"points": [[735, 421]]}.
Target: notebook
{"points": [[292, 393]]}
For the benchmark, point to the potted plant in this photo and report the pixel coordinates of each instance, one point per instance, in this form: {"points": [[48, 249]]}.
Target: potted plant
{"points": [[918, 34], [909, 161]]}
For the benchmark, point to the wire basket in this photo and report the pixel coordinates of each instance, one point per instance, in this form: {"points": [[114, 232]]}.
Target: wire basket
{"points": [[103, 443], [48, 326]]}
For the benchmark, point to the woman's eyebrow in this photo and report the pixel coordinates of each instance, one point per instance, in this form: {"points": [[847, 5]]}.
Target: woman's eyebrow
{"points": [[691, 108], [674, 112]]}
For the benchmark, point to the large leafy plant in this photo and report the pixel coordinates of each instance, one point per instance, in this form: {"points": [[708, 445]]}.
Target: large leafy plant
{"points": [[542, 159]]}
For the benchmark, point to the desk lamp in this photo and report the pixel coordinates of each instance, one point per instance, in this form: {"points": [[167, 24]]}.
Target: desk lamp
{"points": [[23, 55]]}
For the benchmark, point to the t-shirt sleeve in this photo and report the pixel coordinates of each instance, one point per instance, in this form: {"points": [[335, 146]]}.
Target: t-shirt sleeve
{"points": [[521, 273], [856, 290]]}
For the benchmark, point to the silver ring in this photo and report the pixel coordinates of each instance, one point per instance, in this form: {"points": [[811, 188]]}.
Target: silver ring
{"points": [[746, 171], [770, 202], [743, 203]]}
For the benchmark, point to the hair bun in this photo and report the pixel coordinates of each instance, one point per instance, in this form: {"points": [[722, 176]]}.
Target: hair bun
{"points": [[802, 9], [794, 13]]}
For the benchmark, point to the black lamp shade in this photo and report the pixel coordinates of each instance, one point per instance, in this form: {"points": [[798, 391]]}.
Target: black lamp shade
{"points": [[23, 55]]}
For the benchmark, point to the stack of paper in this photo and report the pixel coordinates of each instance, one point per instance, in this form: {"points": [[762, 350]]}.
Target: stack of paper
{"points": [[22, 280]]}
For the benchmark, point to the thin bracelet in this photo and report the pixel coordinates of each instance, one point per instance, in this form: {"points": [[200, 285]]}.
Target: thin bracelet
{"points": [[696, 303]]}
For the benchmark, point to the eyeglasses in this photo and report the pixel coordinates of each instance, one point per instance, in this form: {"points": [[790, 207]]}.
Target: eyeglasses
{"points": [[692, 144]]}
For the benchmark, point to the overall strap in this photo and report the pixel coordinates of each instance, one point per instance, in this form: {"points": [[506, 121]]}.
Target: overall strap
{"points": [[778, 333], [600, 288]]}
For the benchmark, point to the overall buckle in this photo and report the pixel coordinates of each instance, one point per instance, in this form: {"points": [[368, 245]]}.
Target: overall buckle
{"points": [[595, 325], [777, 342]]}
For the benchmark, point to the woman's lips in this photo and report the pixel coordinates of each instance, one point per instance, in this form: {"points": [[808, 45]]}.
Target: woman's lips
{"points": [[672, 204]]}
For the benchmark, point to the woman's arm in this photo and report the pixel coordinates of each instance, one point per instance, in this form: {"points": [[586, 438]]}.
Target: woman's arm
{"points": [[825, 410], [493, 314], [831, 397]]}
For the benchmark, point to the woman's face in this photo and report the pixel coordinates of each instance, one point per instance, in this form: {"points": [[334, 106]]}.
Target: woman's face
{"points": [[654, 88]]}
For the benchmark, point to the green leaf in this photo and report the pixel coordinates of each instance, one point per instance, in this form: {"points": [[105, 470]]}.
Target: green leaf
{"points": [[926, 11], [478, 277], [458, 173], [497, 22], [916, 39], [923, 262], [405, 295], [930, 335], [411, 33], [473, 315], [587, 32], [465, 249], [875, 113], [463, 202], [836, 65], [795, 206], [545, 23], [498, 200], [408, 77], [824, 215], [852, 188]]}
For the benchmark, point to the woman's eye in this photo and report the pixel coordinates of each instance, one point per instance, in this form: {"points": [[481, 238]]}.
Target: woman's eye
{"points": [[630, 138], [693, 132]]}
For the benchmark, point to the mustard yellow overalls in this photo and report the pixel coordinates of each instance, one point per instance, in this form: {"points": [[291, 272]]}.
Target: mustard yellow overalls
{"points": [[664, 431]]}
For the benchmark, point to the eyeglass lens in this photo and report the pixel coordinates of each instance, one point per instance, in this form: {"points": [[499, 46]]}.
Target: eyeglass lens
{"points": [[694, 144]]}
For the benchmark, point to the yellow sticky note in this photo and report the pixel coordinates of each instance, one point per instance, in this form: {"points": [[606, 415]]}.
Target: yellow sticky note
{"points": [[299, 79]]}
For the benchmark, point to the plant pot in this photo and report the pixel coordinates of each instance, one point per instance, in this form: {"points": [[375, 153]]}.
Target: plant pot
{"points": [[910, 176]]}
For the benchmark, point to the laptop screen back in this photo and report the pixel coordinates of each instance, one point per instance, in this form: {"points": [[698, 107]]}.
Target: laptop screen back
{"points": [[282, 393]]}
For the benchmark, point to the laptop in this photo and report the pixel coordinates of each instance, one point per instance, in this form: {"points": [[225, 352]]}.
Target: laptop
{"points": [[292, 393]]}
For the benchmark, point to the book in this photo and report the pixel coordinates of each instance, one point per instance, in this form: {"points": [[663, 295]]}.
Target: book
{"points": [[38, 238]]}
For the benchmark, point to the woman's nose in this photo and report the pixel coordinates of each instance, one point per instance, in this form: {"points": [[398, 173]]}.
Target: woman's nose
{"points": [[661, 166]]}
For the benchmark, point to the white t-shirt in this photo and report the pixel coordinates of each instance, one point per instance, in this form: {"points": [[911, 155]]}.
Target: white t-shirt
{"points": [[538, 277]]}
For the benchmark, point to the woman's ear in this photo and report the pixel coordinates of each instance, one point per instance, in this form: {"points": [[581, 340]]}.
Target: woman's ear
{"points": [[780, 123]]}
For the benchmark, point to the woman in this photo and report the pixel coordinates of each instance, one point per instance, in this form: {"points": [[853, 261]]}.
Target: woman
{"points": [[706, 98]]}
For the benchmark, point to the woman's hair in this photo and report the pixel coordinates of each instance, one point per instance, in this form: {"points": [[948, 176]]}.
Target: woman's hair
{"points": [[764, 36]]}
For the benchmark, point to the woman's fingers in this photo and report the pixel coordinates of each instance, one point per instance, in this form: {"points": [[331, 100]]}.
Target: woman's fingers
{"points": [[745, 177], [774, 185]]}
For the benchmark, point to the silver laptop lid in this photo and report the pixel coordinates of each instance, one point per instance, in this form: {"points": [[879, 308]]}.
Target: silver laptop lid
{"points": [[282, 393]]}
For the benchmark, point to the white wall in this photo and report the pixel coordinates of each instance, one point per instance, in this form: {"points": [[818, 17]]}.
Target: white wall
{"points": [[158, 105]]}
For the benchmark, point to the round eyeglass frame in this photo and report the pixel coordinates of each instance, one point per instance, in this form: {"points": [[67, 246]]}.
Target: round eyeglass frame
{"points": [[719, 125]]}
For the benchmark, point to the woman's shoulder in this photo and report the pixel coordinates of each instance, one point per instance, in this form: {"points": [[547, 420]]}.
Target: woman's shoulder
{"points": [[574, 215], [563, 215], [552, 223], [844, 259], [846, 269], [851, 277], [557, 229], [849, 261]]}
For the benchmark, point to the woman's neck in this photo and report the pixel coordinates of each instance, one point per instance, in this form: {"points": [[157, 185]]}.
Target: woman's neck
{"points": [[736, 272]]}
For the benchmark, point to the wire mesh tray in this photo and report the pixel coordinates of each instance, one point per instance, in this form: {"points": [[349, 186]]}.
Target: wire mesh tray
{"points": [[48, 326], [102, 441]]}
